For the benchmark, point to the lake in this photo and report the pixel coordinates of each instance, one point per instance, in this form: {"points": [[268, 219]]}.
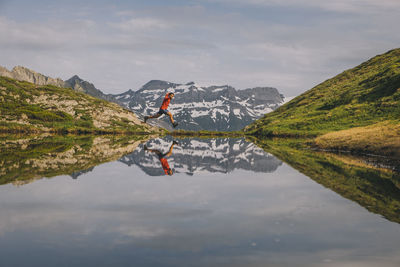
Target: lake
{"points": [[119, 201]]}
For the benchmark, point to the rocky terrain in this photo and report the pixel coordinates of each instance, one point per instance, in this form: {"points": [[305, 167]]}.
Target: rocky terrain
{"points": [[27, 107], [24, 74]]}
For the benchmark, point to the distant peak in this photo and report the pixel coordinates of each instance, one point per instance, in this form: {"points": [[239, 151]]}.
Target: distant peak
{"points": [[190, 83], [156, 81], [157, 84], [76, 77]]}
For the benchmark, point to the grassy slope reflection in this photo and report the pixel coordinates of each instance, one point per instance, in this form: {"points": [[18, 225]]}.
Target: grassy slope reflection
{"points": [[377, 190], [25, 160]]}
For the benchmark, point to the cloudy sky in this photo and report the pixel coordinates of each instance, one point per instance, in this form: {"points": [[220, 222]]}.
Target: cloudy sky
{"points": [[119, 45]]}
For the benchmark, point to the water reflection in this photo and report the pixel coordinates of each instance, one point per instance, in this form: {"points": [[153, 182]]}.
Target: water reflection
{"points": [[24, 160], [377, 189], [194, 155], [316, 210]]}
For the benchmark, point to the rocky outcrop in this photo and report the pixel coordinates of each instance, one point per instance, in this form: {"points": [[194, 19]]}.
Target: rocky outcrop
{"points": [[24, 74], [75, 82]]}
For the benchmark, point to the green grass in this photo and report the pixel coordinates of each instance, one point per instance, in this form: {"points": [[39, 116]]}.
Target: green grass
{"points": [[361, 96], [33, 112], [12, 127], [380, 139]]}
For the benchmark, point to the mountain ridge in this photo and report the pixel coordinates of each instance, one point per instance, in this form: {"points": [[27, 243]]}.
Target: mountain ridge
{"points": [[214, 108], [80, 85]]}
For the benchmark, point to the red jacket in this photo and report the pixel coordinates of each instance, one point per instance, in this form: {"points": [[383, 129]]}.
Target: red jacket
{"points": [[165, 102], [165, 165]]}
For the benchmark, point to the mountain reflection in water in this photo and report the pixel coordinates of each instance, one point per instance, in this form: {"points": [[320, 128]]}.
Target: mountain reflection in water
{"points": [[191, 156]]}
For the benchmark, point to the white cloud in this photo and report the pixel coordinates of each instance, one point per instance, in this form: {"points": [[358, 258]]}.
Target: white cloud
{"points": [[142, 24], [353, 6], [44, 36]]}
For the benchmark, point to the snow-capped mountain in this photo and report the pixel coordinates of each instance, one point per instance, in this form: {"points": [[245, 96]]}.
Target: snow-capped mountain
{"points": [[193, 156], [196, 107]]}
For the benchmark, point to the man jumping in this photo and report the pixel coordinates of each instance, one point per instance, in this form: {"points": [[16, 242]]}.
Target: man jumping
{"points": [[163, 110]]}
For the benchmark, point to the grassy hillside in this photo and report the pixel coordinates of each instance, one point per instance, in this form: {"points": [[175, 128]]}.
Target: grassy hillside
{"points": [[364, 95], [26, 107]]}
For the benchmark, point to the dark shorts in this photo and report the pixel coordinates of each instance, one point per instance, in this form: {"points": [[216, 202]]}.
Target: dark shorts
{"points": [[163, 111]]}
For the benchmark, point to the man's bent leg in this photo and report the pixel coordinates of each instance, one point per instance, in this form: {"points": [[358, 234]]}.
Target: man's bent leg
{"points": [[170, 117], [154, 116]]}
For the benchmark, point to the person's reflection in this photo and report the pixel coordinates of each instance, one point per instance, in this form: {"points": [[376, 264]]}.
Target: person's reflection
{"points": [[162, 157]]}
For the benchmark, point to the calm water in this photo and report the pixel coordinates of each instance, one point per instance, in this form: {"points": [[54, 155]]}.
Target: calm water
{"points": [[227, 203]]}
